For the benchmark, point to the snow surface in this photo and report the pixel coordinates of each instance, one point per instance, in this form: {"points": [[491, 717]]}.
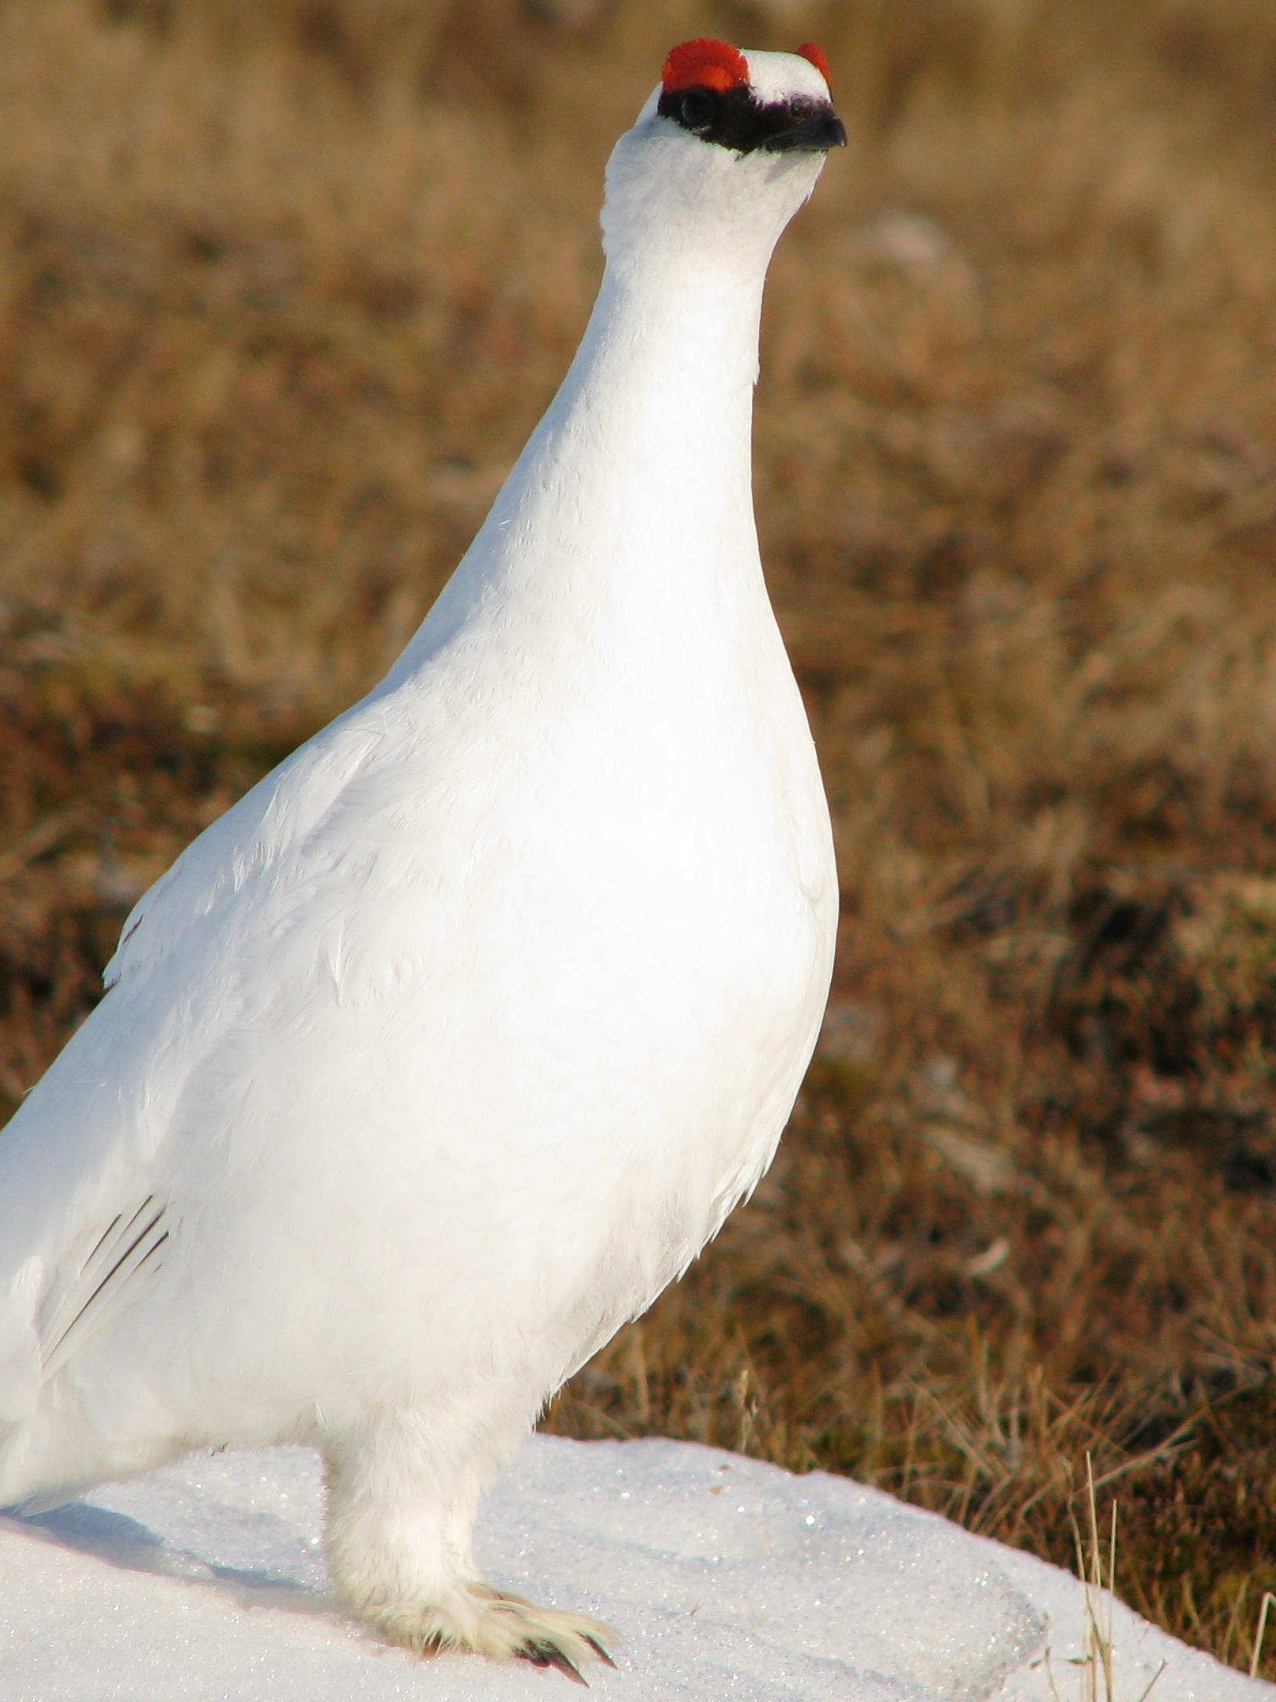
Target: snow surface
{"points": [[728, 1581]]}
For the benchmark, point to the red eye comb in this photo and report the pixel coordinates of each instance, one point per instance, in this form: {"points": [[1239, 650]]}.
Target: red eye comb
{"points": [[705, 64], [818, 58]]}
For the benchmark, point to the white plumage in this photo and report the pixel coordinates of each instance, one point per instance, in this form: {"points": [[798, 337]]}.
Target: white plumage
{"points": [[445, 1049]]}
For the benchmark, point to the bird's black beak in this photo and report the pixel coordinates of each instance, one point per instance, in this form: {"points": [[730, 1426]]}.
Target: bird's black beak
{"points": [[815, 129]]}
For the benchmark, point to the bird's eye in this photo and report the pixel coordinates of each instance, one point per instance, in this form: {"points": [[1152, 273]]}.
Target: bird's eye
{"points": [[697, 110]]}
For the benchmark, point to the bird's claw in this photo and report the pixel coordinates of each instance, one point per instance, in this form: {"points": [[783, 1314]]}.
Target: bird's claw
{"points": [[602, 1654], [550, 1655]]}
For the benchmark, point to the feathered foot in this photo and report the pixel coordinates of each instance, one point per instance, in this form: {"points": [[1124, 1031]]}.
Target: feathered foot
{"points": [[502, 1627], [401, 1498]]}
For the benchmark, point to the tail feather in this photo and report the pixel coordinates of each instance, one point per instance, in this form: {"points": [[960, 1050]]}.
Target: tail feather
{"points": [[20, 1362], [118, 1263], [21, 1375], [48, 1316]]}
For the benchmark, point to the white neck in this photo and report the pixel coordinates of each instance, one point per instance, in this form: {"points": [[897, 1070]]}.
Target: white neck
{"points": [[636, 486]]}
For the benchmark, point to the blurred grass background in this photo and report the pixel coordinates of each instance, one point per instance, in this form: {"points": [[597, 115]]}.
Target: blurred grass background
{"points": [[283, 287]]}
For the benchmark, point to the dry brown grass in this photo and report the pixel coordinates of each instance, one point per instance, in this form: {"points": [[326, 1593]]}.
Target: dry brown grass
{"points": [[282, 291]]}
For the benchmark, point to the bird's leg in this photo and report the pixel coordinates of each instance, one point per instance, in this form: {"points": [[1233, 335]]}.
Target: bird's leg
{"points": [[401, 1506]]}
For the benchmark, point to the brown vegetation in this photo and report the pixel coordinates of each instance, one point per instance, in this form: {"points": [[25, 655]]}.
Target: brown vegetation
{"points": [[282, 290]]}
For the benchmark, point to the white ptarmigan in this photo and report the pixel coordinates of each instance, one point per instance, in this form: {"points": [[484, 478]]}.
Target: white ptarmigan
{"points": [[441, 1053]]}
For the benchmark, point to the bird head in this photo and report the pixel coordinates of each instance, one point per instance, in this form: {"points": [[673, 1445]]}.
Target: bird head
{"points": [[776, 103], [728, 147]]}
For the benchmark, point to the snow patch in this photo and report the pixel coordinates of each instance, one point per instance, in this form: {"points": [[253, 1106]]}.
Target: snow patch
{"points": [[726, 1578]]}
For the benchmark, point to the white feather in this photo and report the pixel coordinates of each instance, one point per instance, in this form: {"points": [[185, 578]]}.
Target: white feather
{"points": [[445, 1049]]}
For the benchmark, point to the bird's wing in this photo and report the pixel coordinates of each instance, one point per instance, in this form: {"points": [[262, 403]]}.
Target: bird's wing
{"points": [[248, 841], [84, 1230]]}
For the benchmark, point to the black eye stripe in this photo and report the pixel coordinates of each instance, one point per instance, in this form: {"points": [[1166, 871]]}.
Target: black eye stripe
{"points": [[733, 119]]}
